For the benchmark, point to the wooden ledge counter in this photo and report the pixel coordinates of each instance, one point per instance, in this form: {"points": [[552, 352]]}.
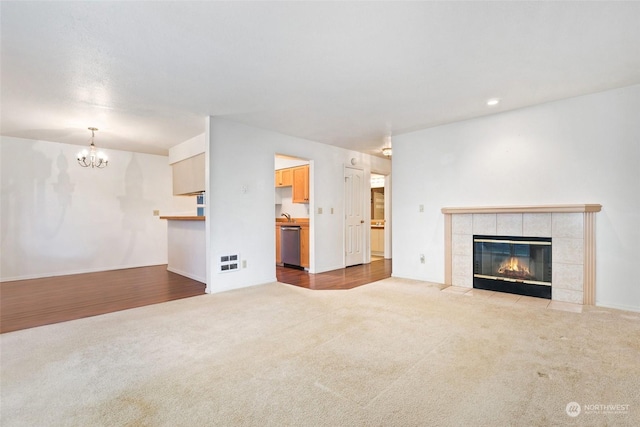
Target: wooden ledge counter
{"points": [[183, 218]]}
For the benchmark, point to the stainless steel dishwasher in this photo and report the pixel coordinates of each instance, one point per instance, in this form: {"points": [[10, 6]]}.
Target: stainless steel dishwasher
{"points": [[290, 241]]}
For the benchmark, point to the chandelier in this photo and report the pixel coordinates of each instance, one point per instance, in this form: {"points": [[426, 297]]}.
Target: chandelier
{"points": [[93, 158]]}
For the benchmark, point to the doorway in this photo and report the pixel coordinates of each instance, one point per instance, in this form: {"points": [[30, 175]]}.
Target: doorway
{"points": [[378, 223], [293, 227]]}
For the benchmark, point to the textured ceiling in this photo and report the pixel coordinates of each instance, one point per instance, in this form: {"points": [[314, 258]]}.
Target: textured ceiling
{"points": [[342, 73]]}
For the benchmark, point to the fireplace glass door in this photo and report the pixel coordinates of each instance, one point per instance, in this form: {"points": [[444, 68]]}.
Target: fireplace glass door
{"points": [[512, 264]]}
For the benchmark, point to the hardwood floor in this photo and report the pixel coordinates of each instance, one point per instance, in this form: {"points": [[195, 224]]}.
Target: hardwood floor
{"points": [[345, 278], [30, 303]]}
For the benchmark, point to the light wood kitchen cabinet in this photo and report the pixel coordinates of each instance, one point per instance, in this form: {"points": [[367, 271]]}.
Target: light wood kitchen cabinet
{"points": [[284, 177], [188, 175], [296, 177], [278, 254], [304, 246], [377, 241], [300, 184]]}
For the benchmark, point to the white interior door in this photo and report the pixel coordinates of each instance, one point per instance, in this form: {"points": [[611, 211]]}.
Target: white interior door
{"points": [[354, 216]]}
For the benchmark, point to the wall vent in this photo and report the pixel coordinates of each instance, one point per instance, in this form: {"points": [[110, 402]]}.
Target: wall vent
{"points": [[229, 263]]}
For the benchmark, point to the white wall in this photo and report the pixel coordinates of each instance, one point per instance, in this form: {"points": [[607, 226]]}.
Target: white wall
{"points": [[187, 251], [288, 162], [189, 148], [580, 150], [240, 157], [59, 218], [284, 195]]}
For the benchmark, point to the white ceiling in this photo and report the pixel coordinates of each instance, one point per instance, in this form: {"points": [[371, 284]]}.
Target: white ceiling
{"points": [[341, 73]]}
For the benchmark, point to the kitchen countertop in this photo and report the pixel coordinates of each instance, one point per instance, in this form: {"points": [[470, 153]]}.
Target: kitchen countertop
{"points": [[377, 223], [294, 221], [184, 218]]}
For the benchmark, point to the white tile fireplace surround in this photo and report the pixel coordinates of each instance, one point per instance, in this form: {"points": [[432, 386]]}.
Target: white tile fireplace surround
{"points": [[571, 228]]}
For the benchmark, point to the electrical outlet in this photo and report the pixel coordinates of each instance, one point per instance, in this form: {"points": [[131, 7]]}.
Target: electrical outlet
{"points": [[244, 263], [331, 211], [421, 258], [156, 212], [319, 211], [421, 208]]}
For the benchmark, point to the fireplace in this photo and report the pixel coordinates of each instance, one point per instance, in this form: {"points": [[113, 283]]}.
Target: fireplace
{"points": [[572, 228], [513, 264]]}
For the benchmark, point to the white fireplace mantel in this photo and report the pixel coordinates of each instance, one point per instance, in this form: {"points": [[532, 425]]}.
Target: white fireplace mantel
{"points": [[525, 209], [572, 228]]}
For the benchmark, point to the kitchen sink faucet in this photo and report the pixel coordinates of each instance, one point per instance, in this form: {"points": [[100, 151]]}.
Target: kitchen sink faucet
{"points": [[286, 215]]}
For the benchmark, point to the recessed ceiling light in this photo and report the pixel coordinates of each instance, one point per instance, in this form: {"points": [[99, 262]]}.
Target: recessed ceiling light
{"points": [[493, 101]]}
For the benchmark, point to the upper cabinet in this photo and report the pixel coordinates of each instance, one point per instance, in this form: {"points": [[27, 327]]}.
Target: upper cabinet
{"points": [[284, 177], [301, 184], [188, 175], [297, 178]]}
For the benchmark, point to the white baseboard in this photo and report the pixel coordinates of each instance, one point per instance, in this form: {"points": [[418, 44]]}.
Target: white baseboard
{"points": [[189, 275], [325, 269], [618, 306], [70, 272], [258, 282]]}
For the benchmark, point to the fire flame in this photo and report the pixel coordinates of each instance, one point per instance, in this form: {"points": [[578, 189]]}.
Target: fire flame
{"points": [[512, 268]]}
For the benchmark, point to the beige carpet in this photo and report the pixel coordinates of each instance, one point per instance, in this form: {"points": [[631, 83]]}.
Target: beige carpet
{"points": [[394, 353]]}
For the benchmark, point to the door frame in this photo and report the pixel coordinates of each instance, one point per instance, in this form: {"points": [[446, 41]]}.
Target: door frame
{"points": [[311, 204], [388, 212]]}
